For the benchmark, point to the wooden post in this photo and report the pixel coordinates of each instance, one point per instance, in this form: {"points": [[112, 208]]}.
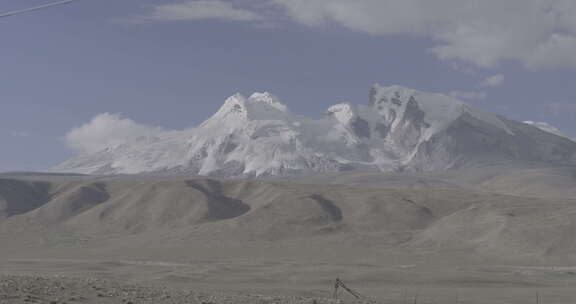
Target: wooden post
{"points": [[336, 285], [405, 295]]}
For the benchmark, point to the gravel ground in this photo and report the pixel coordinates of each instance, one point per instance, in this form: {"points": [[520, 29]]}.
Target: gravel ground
{"points": [[65, 290]]}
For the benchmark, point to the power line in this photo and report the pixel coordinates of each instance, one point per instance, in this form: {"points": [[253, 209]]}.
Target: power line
{"points": [[27, 10]]}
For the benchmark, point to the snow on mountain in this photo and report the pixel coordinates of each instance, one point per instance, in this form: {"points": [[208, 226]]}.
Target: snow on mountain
{"points": [[399, 129], [544, 126]]}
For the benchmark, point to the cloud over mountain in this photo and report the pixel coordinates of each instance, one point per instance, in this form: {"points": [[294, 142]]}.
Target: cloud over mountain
{"points": [[106, 130]]}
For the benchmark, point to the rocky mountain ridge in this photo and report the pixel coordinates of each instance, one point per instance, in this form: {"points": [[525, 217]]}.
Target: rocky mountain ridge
{"points": [[400, 129]]}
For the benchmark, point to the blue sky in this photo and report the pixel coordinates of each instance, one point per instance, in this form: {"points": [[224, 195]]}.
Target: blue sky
{"points": [[172, 64]]}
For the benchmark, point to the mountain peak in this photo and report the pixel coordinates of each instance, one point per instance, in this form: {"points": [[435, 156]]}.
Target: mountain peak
{"points": [[237, 110], [234, 105], [267, 99], [380, 93], [342, 112], [402, 129]]}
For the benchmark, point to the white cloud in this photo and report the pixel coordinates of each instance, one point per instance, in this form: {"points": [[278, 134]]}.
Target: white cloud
{"points": [[370, 16], [468, 95], [539, 34], [198, 10], [106, 130], [493, 81], [558, 51]]}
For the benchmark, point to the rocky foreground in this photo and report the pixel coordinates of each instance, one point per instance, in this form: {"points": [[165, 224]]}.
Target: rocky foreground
{"points": [[64, 290]]}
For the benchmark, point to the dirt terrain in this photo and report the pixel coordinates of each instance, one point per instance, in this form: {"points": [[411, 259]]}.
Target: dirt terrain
{"points": [[446, 238], [62, 290]]}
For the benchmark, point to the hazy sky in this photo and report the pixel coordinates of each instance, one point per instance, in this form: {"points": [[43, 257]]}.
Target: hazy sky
{"points": [[172, 63]]}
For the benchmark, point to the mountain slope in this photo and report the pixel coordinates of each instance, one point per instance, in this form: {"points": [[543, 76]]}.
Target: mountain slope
{"points": [[180, 214], [400, 129], [548, 128]]}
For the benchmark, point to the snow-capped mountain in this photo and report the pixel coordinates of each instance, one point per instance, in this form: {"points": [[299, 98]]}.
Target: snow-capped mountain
{"points": [[399, 129], [544, 126]]}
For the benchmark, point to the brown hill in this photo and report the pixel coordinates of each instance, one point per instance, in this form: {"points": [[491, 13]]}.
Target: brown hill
{"points": [[178, 214]]}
